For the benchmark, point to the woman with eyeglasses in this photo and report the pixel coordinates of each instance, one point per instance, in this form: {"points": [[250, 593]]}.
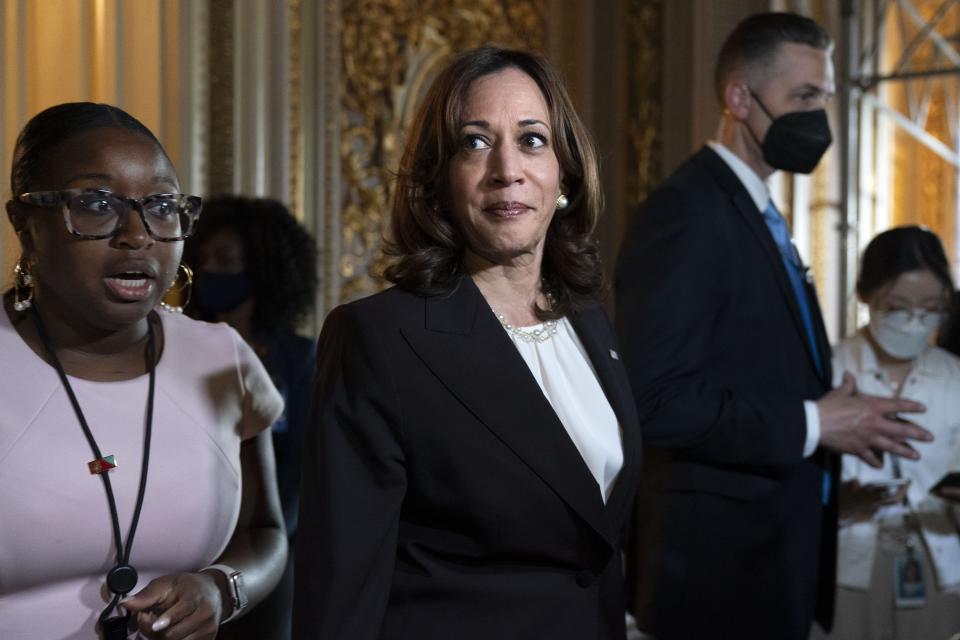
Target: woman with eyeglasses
{"points": [[137, 493], [891, 521]]}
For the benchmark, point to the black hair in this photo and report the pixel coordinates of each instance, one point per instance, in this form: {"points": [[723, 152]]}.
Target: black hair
{"points": [[757, 38], [279, 257], [898, 251], [45, 132]]}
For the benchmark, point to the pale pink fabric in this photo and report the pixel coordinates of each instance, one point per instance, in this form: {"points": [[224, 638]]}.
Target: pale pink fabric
{"points": [[55, 531]]}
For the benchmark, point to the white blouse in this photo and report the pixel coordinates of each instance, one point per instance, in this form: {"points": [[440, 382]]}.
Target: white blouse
{"points": [[934, 381], [563, 370]]}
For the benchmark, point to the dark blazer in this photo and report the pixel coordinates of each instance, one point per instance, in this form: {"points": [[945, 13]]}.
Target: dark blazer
{"points": [[719, 362], [442, 497]]}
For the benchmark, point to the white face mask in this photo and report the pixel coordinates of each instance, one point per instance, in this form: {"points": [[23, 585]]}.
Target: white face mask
{"points": [[904, 334]]}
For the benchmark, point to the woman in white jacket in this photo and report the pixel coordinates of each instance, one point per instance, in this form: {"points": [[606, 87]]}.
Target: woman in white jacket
{"points": [[899, 549]]}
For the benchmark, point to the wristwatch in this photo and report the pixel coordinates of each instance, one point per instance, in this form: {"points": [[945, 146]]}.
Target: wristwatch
{"points": [[236, 589]]}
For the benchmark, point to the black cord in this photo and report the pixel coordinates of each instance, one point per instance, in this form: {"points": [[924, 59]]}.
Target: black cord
{"points": [[122, 551], [148, 432]]}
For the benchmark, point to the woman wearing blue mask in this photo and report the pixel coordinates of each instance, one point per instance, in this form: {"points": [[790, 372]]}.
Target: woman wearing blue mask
{"points": [[890, 519], [256, 270]]}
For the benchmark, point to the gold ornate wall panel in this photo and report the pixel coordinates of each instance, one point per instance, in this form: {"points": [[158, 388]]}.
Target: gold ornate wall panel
{"points": [[390, 51], [645, 69]]}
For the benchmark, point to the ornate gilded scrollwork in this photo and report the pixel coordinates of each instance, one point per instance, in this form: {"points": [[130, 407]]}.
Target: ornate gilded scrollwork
{"points": [[391, 50]]}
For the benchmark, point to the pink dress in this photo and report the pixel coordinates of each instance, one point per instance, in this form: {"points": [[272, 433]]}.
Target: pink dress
{"points": [[55, 529]]}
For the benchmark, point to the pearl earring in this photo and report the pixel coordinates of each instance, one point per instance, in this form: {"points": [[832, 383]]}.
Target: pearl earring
{"points": [[562, 201]]}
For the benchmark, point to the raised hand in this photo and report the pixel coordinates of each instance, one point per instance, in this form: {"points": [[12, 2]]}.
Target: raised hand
{"points": [[866, 426]]}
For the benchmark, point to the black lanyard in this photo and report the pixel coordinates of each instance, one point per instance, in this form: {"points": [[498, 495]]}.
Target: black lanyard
{"points": [[122, 578]]}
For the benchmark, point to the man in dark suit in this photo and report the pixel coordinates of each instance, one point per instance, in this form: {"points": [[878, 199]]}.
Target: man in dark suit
{"points": [[730, 364]]}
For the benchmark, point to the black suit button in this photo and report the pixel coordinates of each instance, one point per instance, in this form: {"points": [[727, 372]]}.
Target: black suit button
{"points": [[585, 579]]}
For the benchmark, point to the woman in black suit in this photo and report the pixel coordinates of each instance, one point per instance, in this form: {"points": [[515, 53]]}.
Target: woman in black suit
{"points": [[475, 448]]}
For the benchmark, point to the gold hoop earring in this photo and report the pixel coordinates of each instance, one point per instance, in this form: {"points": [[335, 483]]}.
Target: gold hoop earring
{"points": [[182, 291], [562, 201], [22, 282]]}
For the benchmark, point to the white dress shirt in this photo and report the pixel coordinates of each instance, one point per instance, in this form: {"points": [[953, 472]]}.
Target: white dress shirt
{"points": [[564, 372], [934, 381], [760, 195]]}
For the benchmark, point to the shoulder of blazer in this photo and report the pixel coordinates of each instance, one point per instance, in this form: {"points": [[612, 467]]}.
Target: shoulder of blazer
{"points": [[367, 326], [705, 184], [395, 307], [702, 184], [393, 298], [708, 161]]}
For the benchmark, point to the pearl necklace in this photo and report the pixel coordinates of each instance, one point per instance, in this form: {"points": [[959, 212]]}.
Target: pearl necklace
{"points": [[530, 335]]}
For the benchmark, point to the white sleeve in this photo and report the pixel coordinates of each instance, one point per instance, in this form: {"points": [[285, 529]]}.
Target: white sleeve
{"points": [[813, 428]]}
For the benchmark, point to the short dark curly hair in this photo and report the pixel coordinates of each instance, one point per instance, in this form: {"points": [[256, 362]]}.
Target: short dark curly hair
{"points": [[280, 257], [426, 244]]}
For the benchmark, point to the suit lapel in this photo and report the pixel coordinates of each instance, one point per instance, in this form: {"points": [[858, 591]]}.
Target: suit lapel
{"points": [[463, 344], [747, 209], [592, 328]]}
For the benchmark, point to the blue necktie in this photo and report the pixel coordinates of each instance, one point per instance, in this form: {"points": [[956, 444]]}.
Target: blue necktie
{"points": [[795, 271], [794, 267]]}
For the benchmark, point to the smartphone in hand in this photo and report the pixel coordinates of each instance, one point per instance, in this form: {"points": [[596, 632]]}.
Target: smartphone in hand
{"points": [[949, 480]]}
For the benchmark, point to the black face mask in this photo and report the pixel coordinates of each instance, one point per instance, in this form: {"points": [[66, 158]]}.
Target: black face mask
{"points": [[221, 292], [795, 141]]}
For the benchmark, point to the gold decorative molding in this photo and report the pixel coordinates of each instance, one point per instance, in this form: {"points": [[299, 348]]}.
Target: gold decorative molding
{"points": [[295, 61], [221, 58], [645, 101], [390, 51]]}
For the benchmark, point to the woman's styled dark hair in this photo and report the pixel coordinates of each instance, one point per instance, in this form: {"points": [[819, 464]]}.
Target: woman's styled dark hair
{"points": [[280, 257], [754, 42], [898, 251], [425, 242], [45, 132]]}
